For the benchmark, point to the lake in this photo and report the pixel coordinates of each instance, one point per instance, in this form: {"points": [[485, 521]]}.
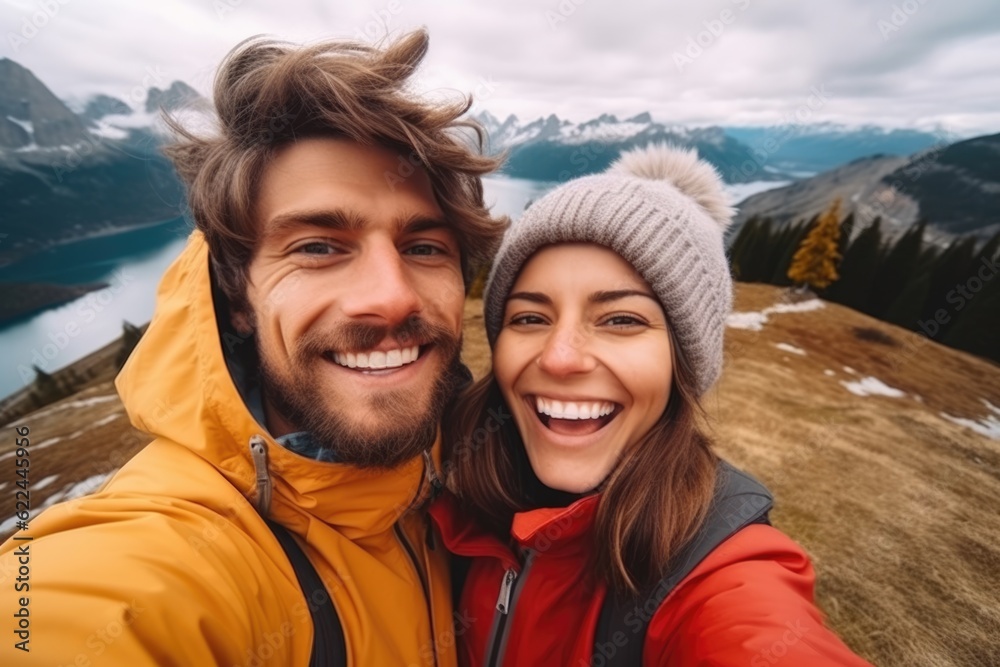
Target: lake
{"points": [[132, 262]]}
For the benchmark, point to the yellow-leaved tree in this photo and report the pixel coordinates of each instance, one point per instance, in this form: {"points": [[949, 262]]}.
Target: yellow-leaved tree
{"points": [[815, 262]]}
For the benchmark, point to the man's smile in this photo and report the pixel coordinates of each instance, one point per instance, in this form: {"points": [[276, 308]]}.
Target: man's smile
{"points": [[377, 359]]}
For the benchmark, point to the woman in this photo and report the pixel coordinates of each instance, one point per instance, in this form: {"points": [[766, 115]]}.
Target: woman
{"points": [[601, 527]]}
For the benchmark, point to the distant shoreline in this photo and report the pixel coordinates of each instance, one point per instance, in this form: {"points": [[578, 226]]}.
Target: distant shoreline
{"points": [[22, 300]]}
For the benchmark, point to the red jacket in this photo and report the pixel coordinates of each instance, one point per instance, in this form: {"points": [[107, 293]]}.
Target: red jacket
{"points": [[749, 603]]}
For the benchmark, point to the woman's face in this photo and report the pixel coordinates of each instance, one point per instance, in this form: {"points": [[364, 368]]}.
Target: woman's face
{"points": [[583, 360]]}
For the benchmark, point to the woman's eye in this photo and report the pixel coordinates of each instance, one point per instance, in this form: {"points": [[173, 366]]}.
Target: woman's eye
{"points": [[623, 320], [526, 319]]}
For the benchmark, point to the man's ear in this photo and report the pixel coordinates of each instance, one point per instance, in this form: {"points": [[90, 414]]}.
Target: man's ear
{"points": [[242, 322]]}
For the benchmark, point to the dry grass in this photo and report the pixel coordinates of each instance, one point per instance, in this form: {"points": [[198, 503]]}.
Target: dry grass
{"points": [[899, 508]]}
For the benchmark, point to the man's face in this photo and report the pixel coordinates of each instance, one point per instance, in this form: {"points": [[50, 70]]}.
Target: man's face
{"points": [[357, 297]]}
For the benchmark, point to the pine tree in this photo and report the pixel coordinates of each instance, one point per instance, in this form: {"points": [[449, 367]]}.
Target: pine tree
{"points": [[906, 310], [975, 328], [990, 248], [952, 268], [846, 230], [815, 262], [897, 269], [787, 245], [737, 251], [858, 269], [754, 261]]}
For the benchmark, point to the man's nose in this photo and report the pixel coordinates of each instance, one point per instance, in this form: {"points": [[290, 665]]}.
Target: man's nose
{"points": [[566, 352], [381, 287]]}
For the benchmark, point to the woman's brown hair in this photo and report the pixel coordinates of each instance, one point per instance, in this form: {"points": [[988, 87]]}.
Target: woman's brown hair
{"points": [[651, 504], [270, 93]]}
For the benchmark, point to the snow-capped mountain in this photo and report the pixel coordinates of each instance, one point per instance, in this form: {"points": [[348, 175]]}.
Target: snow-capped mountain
{"points": [[554, 149], [66, 176]]}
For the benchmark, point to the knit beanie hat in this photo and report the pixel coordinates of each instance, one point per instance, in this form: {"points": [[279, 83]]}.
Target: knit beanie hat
{"points": [[664, 211]]}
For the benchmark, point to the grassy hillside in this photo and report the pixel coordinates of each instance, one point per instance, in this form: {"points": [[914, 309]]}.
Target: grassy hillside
{"points": [[895, 495]]}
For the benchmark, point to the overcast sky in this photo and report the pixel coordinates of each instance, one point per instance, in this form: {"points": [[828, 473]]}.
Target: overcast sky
{"points": [[929, 64]]}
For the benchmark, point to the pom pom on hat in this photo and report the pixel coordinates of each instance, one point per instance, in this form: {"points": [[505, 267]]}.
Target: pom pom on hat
{"points": [[694, 177]]}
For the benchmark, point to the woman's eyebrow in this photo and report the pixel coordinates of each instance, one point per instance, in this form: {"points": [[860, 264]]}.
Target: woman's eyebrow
{"points": [[604, 296], [614, 295], [534, 297]]}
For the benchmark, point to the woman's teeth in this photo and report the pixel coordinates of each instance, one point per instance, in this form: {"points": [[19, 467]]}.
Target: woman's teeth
{"points": [[573, 409], [380, 359]]}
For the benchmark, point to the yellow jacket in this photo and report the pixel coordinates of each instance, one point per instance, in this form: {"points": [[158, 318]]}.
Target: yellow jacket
{"points": [[171, 564]]}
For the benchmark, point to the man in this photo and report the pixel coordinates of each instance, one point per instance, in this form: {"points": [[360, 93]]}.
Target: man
{"points": [[302, 350]]}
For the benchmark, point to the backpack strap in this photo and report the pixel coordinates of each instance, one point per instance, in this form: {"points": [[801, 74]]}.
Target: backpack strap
{"points": [[739, 501], [329, 645]]}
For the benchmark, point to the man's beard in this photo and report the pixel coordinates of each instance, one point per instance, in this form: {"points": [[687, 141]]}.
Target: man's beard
{"points": [[399, 435]]}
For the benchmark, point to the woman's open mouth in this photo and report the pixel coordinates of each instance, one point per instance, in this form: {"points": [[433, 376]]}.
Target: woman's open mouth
{"points": [[574, 417]]}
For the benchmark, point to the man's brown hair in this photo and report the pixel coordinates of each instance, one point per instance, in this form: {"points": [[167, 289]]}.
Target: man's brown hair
{"points": [[270, 93]]}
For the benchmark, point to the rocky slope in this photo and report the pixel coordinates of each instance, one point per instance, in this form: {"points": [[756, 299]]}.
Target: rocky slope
{"points": [[956, 187]]}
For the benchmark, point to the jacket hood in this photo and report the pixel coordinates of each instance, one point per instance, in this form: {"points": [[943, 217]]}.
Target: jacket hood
{"points": [[176, 386]]}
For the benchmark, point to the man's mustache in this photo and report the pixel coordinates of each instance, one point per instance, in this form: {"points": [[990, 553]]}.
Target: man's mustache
{"points": [[361, 336]]}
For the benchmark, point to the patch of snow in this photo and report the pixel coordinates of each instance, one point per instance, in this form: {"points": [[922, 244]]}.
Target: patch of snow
{"points": [[45, 482], [26, 125], [524, 136], [106, 420], [69, 492], [46, 443], [12, 521], [739, 191], [81, 403], [42, 445], [988, 425], [106, 131], [754, 321], [603, 132], [800, 307], [790, 348], [78, 489], [989, 406], [750, 321], [848, 369], [829, 373], [870, 386], [918, 398]]}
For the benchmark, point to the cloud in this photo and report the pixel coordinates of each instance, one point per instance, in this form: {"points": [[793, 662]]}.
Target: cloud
{"points": [[719, 62]]}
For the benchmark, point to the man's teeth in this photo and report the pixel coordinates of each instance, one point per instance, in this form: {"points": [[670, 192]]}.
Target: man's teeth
{"points": [[573, 410], [379, 359]]}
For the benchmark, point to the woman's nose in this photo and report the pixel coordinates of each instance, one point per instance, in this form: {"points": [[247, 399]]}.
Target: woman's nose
{"points": [[566, 352]]}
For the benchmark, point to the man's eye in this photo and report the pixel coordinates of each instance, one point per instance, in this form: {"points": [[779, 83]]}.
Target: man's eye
{"points": [[316, 248], [424, 249]]}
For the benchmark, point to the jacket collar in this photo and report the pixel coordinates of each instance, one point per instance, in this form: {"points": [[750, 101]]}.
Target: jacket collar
{"points": [[176, 385], [552, 530]]}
